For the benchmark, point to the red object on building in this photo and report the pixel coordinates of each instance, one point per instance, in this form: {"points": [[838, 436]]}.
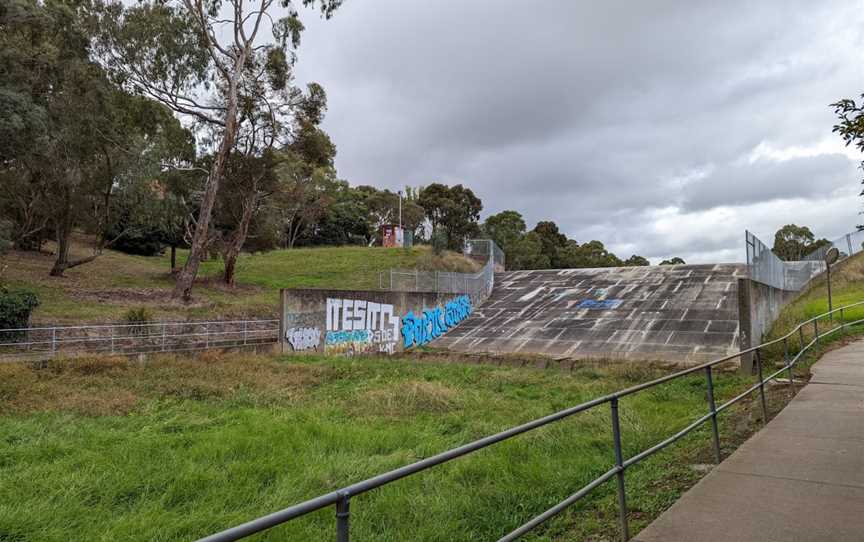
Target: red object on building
{"points": [[392, 236]]}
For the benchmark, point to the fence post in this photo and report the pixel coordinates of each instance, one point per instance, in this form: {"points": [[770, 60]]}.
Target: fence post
{"points": [[713, 409], [53, 341], [207, 334], [619, 464], [416, 280], [801, 336], [163, 336], [112, 338], [842, 323], [343, 518], [761, 387], [816, 330], [245, 333]]}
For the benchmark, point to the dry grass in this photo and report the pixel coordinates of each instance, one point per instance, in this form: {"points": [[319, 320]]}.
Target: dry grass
{"points": [[117, 385], [408, 398]]}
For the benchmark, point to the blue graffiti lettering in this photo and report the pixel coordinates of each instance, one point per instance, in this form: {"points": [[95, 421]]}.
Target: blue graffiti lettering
{"points": [[342, 337], [603, 304], [432, 323]]}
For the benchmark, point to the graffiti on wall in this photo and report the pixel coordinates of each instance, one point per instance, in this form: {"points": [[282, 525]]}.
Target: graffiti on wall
{"points": [[356, 326], [303, 338], [602, 304], [419, 329]]}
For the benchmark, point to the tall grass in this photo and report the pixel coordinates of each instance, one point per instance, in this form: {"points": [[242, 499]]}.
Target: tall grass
{"points": [[177, 449]]}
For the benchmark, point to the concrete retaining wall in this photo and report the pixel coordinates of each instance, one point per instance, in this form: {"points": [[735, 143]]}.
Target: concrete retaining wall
{"points": [[366, 322], [759, 305]]}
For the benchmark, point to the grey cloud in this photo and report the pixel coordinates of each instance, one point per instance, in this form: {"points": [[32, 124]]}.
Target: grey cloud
{"points": [[587, 113]]}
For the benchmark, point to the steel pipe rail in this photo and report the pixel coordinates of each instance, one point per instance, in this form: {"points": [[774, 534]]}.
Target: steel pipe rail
{"points": [[341, 498]]}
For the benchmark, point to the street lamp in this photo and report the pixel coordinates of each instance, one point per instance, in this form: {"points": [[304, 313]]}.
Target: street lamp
{"points": [[830, 257]]}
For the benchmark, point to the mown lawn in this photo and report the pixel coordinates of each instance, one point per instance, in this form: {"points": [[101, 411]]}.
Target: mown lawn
{"points": [[105, 289], [180, 448]]}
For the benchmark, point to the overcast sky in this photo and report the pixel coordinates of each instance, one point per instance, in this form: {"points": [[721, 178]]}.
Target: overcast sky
{"points": [[661, 128]]}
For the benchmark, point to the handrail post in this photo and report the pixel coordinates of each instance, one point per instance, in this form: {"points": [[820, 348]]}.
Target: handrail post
{"points": [[816, 329], [788, 361], [343, 518], [761, 387], [619, 463], [842, 323], [713, 409], [801, 336]]}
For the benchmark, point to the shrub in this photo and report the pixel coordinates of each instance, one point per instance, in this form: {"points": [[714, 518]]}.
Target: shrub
{"points": [[137, 316], [16, 306]]}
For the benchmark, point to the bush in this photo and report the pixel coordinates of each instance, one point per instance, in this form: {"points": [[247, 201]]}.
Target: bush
{"points": [[15, 307], [137, 316], [5, 236]]}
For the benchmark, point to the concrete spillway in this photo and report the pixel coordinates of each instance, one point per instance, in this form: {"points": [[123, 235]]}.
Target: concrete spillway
{"points": [[682, 313]]}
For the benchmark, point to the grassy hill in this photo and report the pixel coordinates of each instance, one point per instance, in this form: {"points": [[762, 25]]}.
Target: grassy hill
{"points": [[106, 288], [847, 287]]}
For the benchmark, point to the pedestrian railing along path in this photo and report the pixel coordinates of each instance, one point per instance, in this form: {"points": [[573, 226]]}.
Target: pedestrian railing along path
{"points": [[799, 479], [793, 346], [51, 341]]}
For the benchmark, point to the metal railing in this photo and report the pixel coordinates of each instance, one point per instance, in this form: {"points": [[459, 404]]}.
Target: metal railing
{"points": [[848, 245], [341, 499], [47, 342], [477, 285], [764, 266]]}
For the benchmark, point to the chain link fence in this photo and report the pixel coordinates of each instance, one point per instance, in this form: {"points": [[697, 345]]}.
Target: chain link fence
{"points": [[764, 266], [123, 339], [848, 245], [477, 285]]}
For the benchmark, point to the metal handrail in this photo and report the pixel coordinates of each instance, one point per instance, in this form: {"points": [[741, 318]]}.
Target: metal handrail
{"points": [[341, 498]]}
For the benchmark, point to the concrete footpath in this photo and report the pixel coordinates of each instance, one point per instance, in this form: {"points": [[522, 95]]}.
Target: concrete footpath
{"points": [[800, 478]]}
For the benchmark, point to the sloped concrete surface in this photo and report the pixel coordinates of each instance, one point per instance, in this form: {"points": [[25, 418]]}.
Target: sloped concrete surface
{"points": [[801, 478], [681, 313]]}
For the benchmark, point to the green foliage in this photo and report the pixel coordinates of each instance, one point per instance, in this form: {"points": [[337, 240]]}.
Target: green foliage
{"points": [[505, 228], [455, 209], [16, 305], [850, 125], [673, 261], [5, 236], [527, 253], [636, 261], [439, 241], [138, 315], [793, 242], [551, 239]]}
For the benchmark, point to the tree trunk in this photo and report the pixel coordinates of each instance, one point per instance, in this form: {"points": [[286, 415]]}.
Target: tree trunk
{"points": [[236, 241], [186, 277], [173, 258]]}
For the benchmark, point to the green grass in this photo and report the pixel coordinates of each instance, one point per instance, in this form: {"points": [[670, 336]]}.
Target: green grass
{"points": [[105, 289], [847, 287], [178, 448]]}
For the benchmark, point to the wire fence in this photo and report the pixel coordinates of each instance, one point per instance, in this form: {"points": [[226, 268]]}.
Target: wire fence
{"points": [[848, 245], [122, 339], [833, 322], [477, 285], [765, 267]]}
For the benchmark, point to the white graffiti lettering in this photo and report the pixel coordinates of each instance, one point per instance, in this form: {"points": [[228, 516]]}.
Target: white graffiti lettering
{"points": [[303, 338]]}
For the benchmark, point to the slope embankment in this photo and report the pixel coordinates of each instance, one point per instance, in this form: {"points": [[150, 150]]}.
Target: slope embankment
{"points": [[683, 314]]}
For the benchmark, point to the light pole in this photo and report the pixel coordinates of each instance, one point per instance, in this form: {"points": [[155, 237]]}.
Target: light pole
{"points": [[400, 209], [830, 257]]}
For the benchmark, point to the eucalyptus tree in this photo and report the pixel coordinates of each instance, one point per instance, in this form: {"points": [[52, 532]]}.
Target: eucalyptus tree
{"points": [[211, 62]]}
